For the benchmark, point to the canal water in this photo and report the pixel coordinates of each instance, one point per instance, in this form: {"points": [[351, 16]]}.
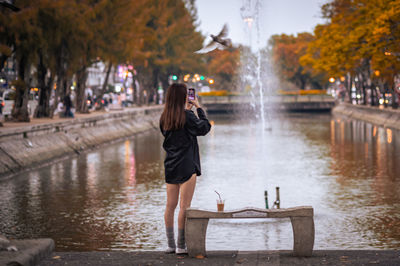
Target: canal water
{"points": [[113, 198]]}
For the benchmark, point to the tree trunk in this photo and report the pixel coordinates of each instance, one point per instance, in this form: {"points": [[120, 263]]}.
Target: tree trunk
{"points": [[105, 83], [364, 94], [349, 85], [80, 101], [385, 89], [43, 109], [373, 94], [395, 103], [156, 82], [145, 81], [53, 107], [165, 86], [302, 83], [134, 89], [20, 109], [61, 77], [99, 97]]}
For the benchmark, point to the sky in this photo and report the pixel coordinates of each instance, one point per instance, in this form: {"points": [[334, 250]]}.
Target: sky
{"points": [[276, 17]]}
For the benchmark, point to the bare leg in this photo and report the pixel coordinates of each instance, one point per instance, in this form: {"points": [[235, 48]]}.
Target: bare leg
{"points": [[172, 201], [186, 191]]}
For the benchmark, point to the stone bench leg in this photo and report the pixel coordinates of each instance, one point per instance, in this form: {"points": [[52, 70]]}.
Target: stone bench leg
{"points": [[303, 236], [195, 235]]}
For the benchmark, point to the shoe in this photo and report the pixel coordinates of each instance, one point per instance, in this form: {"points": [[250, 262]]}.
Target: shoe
{"points": [[181, 251], [170, 250]]}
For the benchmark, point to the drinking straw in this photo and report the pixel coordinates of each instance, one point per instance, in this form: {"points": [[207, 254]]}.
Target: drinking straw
{"points": [[218, 195]]}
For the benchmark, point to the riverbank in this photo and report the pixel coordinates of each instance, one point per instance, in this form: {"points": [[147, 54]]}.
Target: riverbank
{"points": [[382, 117], [320, 257], [30, 145]]}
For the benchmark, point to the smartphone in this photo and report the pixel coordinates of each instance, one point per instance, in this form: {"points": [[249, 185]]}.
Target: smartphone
{"points": [[191, 94]]}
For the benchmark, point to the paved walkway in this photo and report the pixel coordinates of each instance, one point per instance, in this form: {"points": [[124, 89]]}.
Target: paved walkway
{"points": [[39, 252], [320, 257]]}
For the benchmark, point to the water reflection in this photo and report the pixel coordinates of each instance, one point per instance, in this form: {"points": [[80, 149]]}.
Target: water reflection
{"points": [[90, 202], [113, 198], [366, 163]]}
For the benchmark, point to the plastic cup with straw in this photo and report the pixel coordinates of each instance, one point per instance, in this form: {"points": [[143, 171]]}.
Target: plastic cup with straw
{"points": [[220, 202]]}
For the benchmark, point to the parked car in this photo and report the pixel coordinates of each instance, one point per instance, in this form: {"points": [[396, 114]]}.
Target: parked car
{"points": [[1, 107], [7, 100]]}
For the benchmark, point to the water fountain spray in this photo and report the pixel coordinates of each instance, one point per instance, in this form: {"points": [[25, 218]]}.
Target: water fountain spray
{"points": [[250, 13], [259, 83]]}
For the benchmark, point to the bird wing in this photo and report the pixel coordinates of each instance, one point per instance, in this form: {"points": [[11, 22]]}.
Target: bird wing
{"points": [[227, 42], [208, 48], [221, 46], [210, 44], [223, 32]]}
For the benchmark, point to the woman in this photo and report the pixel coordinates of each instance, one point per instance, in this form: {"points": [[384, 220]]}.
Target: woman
{"points": [[180, 127]]}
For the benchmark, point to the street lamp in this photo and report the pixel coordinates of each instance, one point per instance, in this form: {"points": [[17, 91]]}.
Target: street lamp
{"points": [[332, 79], [186, 77]]}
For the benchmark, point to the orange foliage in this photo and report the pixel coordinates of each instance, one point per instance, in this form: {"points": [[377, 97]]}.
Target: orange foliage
{"points": [[223, 64]]}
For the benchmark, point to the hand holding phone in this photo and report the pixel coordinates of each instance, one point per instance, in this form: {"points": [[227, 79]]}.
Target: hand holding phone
{"points": [[192, 100], [191, 94]]}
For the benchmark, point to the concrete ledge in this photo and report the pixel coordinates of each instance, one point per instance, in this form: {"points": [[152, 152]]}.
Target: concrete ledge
{"points": [[245, 103], [30, 252], [382, 117]]}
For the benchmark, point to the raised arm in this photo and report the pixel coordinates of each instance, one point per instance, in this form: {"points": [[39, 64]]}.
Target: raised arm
{"points": [[197, 126]]}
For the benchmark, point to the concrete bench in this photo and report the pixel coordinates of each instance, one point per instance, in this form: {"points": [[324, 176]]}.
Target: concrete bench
{"points": [[302, 219]]}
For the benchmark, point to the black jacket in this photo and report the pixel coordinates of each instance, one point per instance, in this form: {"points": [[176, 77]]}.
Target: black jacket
{"points": [[183, 158]]}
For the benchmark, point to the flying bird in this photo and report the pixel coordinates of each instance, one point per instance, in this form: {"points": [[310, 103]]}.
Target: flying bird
{"points": [[218, 42]]}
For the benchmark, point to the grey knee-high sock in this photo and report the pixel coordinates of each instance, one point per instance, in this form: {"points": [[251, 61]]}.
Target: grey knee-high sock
{"points": [[181, 238], [170, 237]]}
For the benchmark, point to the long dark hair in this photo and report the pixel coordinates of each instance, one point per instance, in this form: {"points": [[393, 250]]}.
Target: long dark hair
{"points": [[173, 116]]}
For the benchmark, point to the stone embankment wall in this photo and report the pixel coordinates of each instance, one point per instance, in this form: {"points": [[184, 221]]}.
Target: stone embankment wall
{"points": [[374, 115], [24, 148]]}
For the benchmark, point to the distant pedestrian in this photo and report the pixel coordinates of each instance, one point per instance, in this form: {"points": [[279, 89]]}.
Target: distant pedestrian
{"points": [[60, 109], [68, 106], [180, 128], [123, 99], [1, 113]]}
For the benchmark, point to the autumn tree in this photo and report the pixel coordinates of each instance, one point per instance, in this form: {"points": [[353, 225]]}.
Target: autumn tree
{"points": [[45, 39], [286, 53], [57, 51], [55, 42], [384, 40], [119, 31], [223, 65], [359, 42], [169, 43], [21, 36]]}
